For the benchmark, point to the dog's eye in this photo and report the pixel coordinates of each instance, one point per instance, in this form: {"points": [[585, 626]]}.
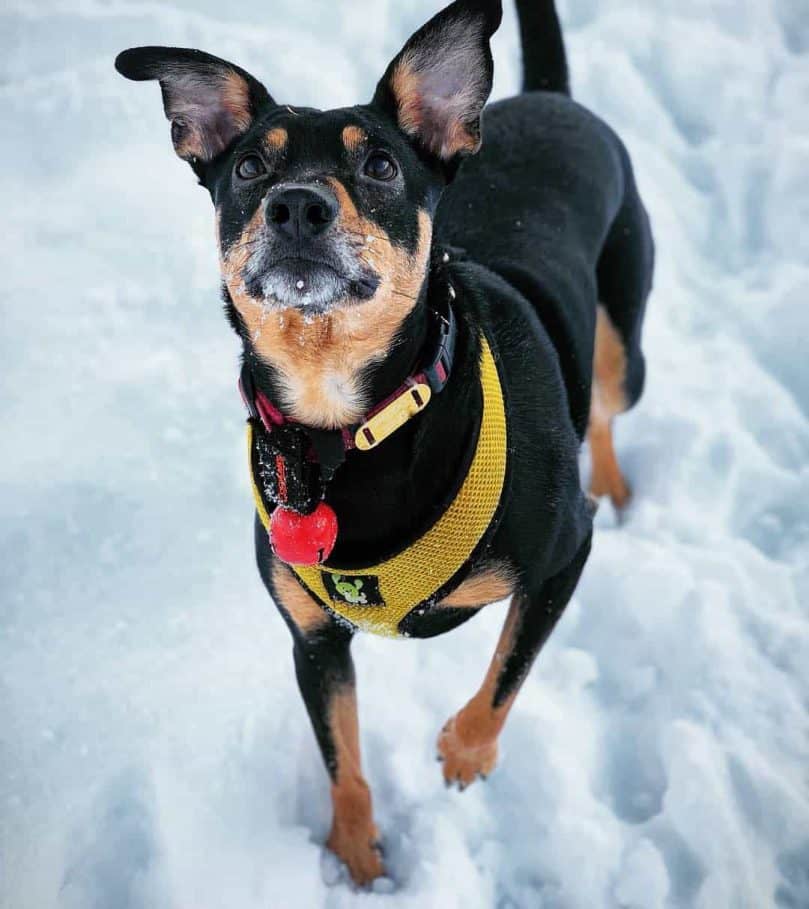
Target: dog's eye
{"points": [[250, 167], [379, 166]]}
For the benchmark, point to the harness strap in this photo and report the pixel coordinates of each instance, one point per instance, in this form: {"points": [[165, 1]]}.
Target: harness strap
{"points": [[378, 597]]}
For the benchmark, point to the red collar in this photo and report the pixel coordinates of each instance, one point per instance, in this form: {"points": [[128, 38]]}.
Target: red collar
{"points": [[294, 463], [382, 420]]}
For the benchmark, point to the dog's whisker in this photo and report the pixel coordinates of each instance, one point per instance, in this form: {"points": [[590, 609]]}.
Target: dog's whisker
{"points": [[367, 236]]}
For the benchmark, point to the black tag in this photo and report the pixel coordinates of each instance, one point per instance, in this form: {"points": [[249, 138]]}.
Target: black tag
{"points": [[353, 590], [282, 471]]}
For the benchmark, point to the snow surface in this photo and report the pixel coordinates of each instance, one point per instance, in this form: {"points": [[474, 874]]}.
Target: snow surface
{"points": [[155, 753]]}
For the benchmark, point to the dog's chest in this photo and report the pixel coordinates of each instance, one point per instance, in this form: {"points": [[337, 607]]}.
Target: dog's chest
{"points": [[324, 395]]}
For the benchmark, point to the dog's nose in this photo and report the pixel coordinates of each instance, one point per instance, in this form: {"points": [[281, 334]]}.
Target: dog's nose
{"points": [[300, 212]]}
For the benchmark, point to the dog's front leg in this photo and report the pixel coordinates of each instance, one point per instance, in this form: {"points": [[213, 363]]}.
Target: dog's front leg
{"points": [[325, 673], [467, 745]]}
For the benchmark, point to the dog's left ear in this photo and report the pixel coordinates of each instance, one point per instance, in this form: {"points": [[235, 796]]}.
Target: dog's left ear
{"points": [[435, 88], [209, 101]]}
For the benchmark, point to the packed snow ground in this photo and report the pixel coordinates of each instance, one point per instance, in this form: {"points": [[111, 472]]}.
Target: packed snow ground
{"points": [[155, 754]]}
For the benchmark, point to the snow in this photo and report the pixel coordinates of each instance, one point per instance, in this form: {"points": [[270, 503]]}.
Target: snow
{"points": [[155, 753]]}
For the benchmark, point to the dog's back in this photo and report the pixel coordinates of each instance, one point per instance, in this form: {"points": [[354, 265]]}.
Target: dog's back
{"points": [[550, 204]]}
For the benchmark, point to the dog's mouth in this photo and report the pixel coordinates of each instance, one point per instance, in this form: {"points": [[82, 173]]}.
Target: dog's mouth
{"points": [[312, 285]]}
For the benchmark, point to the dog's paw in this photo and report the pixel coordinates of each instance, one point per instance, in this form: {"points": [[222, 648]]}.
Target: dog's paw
{"points": [[359, 850], [464, 762], [613, 485]]}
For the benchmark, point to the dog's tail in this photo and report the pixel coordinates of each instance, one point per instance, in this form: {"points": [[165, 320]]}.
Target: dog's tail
{"points": [[543, 48]]}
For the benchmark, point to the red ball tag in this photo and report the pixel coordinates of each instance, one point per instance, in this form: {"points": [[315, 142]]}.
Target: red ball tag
{"points": [[303, 539]]}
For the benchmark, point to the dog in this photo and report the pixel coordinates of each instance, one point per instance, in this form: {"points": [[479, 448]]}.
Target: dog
{"points": [[432, 323]]}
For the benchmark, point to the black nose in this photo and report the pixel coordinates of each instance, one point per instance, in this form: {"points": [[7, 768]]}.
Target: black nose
{"points": [[301, 212]]}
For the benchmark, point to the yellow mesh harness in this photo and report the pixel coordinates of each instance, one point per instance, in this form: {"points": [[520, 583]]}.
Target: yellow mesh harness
{"points": [[376, 598]]}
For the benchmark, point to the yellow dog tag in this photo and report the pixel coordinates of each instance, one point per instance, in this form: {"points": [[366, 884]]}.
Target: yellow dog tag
{"points": [[390, 418]]}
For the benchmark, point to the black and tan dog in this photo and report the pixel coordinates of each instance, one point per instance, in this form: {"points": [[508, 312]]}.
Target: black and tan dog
{"points": [[431, 326]]}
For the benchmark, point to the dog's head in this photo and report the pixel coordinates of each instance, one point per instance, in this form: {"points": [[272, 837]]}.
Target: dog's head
{"points": [[328, 214]]}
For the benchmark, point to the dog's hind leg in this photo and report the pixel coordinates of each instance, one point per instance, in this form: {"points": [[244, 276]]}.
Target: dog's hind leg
{"points": [[467, 745], [607, 401], [624, 275]]}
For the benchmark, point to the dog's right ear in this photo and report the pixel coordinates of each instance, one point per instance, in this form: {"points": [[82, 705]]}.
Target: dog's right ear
{"points": [[435, 88], [209, 101]]}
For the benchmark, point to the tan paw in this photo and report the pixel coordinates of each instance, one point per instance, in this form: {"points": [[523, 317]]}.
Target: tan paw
{"points": [[358, 848], [464, 761], [615, 487]]}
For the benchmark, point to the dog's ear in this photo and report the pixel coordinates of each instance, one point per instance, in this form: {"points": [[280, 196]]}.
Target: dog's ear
{"points": [[435, 88], [209, 101]]}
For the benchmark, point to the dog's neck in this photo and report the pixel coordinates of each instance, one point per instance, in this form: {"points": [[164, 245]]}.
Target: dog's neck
{"points": [[383, 494], [327, 372]]}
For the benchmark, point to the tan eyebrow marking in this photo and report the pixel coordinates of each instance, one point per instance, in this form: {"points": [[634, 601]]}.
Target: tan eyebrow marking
{"points": [[354, 137], [277, 138]]}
